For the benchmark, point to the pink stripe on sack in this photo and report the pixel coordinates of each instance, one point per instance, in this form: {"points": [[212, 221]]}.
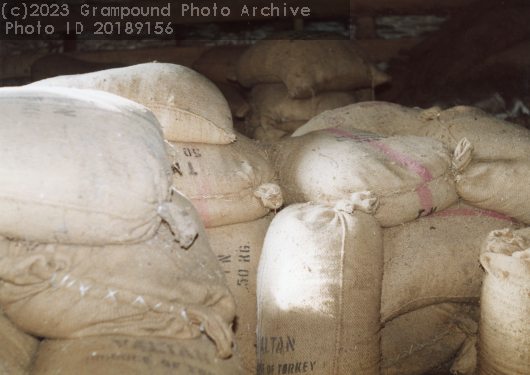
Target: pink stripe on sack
{"points": [[424, 193]]}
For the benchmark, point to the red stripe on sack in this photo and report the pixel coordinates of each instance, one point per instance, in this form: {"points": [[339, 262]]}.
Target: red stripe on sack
{"points": [[424, 193]]}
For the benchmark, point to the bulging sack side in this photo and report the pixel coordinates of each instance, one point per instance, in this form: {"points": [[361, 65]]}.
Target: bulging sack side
{"points": [[436, 259], [308, 63], [504, 325], [423, 339], [410, 175], [319, 289], [152, 288], [228, 184], [189, 107], [17, 348], [82, 167]]}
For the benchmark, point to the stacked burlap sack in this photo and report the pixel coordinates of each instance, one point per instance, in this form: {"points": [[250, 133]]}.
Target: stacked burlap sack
{"points": [[414, 162], [294, 76], [102, 257], [225, 175]]}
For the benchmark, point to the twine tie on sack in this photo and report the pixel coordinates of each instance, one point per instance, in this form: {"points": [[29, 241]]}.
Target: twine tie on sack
{"points": [[270, 195], [462, 155]]}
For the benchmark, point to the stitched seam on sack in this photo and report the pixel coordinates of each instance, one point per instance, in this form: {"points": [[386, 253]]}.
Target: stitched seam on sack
{"points": [[191, 114], [39, 202]]}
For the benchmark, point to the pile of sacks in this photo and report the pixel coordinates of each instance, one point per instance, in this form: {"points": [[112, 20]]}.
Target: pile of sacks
{"points": [[101, 255], [290, 77], [375, 266], [140, 233], [225, 175], [294, 76]]}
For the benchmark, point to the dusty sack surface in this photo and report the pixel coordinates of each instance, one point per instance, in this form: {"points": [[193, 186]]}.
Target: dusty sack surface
{"points": [[81, 167], [498, 185], [308, 67], [228, 184], [319, 290], [118, 355], [492, 138], [504, 326], [421, 340], [436, 258], [377, 117], [410, 175], [272, 104], [189, 107], [238, 249], [17, 348], [153, 288]]}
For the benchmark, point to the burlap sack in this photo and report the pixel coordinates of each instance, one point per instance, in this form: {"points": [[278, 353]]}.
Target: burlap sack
{"points": [[411, 175], [497, 185], [436, 259], [319, 285], [219, 63], [238, 249], [189, 106], [504, 326], [17, 349], [56, 64], [492, 138], [422, 340], [377, 117], [308, 63], [153, 288], [125, 355], [83, 167], [228, 184], [272, 104]]}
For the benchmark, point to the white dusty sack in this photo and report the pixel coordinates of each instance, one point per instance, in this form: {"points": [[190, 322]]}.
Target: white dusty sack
{"points": [[190, 107], [82, 167], [113, 355], [308, 63], [436, 258], [227, 184], [410, 175], [382, 118], [153, 288], [493, 139], [319, 290], [238, 249], [424, 339], [504, 326]]}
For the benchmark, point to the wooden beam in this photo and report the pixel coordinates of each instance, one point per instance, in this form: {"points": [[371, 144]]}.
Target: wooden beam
{"points": [[373, 8], [18, 66]]}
